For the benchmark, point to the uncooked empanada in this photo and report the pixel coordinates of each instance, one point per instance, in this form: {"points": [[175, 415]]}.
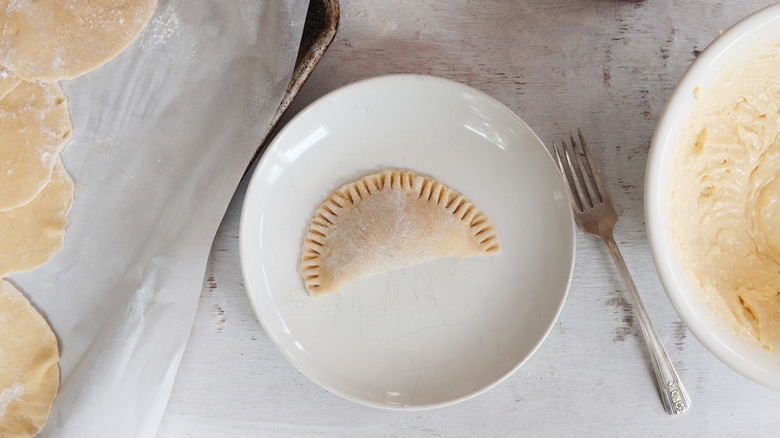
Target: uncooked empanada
{"points": [[387, 221]]}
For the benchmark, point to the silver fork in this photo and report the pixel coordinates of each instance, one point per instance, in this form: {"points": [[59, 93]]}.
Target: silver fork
{"points": [[596, 216]]}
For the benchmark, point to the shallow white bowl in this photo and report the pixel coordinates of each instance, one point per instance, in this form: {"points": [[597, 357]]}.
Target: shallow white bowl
{"points": [[752, 35], [432, 334]]}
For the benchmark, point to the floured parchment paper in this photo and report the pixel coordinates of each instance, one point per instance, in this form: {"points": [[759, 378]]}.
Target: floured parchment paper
{"points": [[161, 137]]}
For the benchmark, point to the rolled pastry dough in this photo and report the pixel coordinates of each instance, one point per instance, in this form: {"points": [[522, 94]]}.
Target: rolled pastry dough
{"points": [[8, 81], [31, 234], [29, 365], [51, 40], [34, 127]]}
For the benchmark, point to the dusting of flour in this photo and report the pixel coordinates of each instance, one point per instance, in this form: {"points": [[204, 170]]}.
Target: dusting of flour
{"points": [[10, 394], [161, 28]]}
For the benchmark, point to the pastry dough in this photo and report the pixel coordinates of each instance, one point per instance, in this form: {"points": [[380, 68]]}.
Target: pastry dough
{"points": [[387, 221], [34, 127], [31, 234], [8, 81], [29, 371], [50, 40]]}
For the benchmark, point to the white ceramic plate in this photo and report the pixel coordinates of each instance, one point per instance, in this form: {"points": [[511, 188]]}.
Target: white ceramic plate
{"points": [[431, 334], [755, 34]]}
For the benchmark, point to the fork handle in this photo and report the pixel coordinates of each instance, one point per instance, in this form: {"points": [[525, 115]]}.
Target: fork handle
{"points": [[674, 397]]}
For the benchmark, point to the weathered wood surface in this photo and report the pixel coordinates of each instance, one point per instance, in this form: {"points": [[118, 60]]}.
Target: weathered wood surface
{"points": [[604, 65]]}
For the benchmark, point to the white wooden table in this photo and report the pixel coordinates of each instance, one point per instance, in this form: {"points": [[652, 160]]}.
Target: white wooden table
{"points": [[607, 66]]}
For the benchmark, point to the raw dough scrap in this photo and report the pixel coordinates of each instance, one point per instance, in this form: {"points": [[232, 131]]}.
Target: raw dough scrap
{"points": [[388, 221], [29, 365], [31, 234], [34, 127], [51, 40]]}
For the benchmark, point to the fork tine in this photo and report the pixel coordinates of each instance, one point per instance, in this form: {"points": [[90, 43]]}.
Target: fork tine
{"points": [[558, 159], [602, 190], [573, 178], [567, 179], [593, 196]]}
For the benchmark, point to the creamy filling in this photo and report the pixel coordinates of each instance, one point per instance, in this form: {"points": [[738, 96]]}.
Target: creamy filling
{"points": [[724, 198]]}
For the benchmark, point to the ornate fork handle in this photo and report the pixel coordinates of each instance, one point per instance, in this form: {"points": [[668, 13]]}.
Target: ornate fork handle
{"points": [[674, 397]]}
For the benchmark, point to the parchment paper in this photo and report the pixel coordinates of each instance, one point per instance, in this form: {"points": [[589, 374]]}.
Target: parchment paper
{"points": [[161, 137]]}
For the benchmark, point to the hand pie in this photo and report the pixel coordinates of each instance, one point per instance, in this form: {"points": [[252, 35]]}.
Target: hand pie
{"points": [[387, 221]]}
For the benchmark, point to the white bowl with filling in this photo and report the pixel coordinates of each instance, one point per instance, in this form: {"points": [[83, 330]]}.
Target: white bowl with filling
{"points": [[712, 197]]}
